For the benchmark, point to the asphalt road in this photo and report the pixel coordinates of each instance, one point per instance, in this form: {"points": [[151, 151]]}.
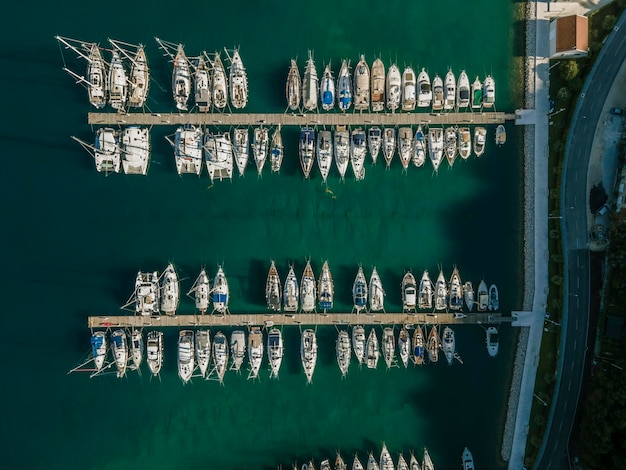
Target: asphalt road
{"points": [[576, 241]]}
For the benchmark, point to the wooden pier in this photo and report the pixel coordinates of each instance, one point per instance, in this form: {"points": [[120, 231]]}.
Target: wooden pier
{"points": [[303, 319], [302, 119]]}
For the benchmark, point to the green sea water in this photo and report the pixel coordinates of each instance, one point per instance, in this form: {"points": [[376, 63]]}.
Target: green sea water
{"points": [[73, 241]]}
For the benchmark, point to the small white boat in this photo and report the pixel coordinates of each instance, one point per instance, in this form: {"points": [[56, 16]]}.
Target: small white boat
{"points": [[220, 87], [374, 142], [492, 341], [465, 142], [241, 148], [187, 149], [435, 146], [98, 349], [276, 152], [480, 138], [371, 463], [467, 460], [425, 92], [372, 353], [202, 85], [450, 144], [342, 150], [310, 85], [238, 81], [388, 346], [463, 91], [455, 297], [135, 150], [402, 465], [118, 83], [107, 152], [327, 89], [427, 463], [154, 351], [237, 348], [482, 297], [170, 290], [419, 147], [325, 465], [438, 99], [293, 89], [255, 351], [186, 364], [181, 79], [120, 351], [358, 149], [433, 345], [218, 154], [489, 92], [308, 353], [404, 346], [136, 348], [405, 146], [394, 91], [425, 296], [500, 135], [306, 146], [203, 350], [449, 91], [324, 153], [201, 290], [359, 291], [468, 295], [441, 293], [493, 303], [378, 85], [220, 292], [409, 294], [362, 85], [344, 353], [325, 288], [356, 463], [386, 463], [408, 89], [413, 463], [418, 346], [448, 344], [358, 342], [272, 289], [477, 94], [376, 292], [344, 82], [389, 144], [220, 355], [291, 293], [275, 351], [339, 463], [259, 148], [308, 292]]}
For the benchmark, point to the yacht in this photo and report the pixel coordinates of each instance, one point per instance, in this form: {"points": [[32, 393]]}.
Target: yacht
{"points": [[238, 79], [465, 142], [147, 293], [362, 86], [187, 149], [325, 288], [467, 460], [202, 85], [154, 351], [438, 99], [120, 351], [405, 146], [480, 138], [107, 151], [218, 154], [291, 293], [482, 297], [259, 148], [434, 343], [441, 292], [241, 148], [358, 148], [419, 147], [220, 88], [463, 91], [408, 89], [308, 292], [135, 150], [136, 348], [324, 153], [376, 293], [272, 289], [186, 364], [371, 463], [306, 145], [477, 94], [237, 349], [344, 95], [450, 144], [294, 86], [203, 350], [372, 353], [449, 91], [118, 83], [220, 292], [394, 91], [468, 295], [181, 79], [220, 355], [427, 463], [98, 349], [276, 152], [456, 291], [404, 346], [96, 72], [342, 150], [255, 351], [327, 89], [275, 351], [388, 346], [343, 352], [340, 464], [359, 292], [435, 146], [409, 296], [310, 85], [448, 345], [386, 463], [493, 303], [374, 141], [418, 346], [139, 77], [413, 463], [500, 135], [425, 92], [359, 342], [308, 353], [425, 296], [492, 341], [389, 144], [170, 290], [378, 85], [489, 92]]}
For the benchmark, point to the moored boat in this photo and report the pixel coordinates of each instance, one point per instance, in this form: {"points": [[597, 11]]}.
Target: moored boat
{"points": [[358, 149], [465, 142], [359, 342], [359, 291], [425, 296], [372, 353], [294, 86], [404, 346], [187, 149], [371, 463], [378, 85], [408, 89], [341, 144], [402, 465], [450, 144], [455, 297], [255, 351], [433, 345], [405, 146], [327, 89], [449, 91], [241, 148], [427, 463], [394, 90], [480, 138], [310, 85], [135, 150], [181, 79], [308, 353], [418, 346], [308, 292], [238, 79], [276, 152], [147, 293], [325, 288], [259, 147], [388, 346], [425, 92], [441, 292], [482, 297], [409, 296], [389, 144], [220, 87], [343, 351], [413, 463], [467, 460], [202, 85], [170, 290], [362, 85], [376, 293], [203, 350], [306, 146], [97, 76], [154, 351], [272, 289], [463, 91], [492, 341], [136, 348], [291, 293], [468, 295], [477, 94], [489, 92], [118, 83], [237, 348], [339, 463], [386, 463], [120, 351], [220, 291], [438, 98], [107, 151], [324, 153], [500, 135], [419, 147], [435, 146], [98, 349], [374, 142], [201, 291], [186, 363], [448, 344], [139, 77], [218, 154], [494, 303], [344, 94], [220, 355]]}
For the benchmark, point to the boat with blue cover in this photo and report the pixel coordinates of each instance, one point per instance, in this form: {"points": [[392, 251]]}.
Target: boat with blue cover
{"points": [[327, 89], [220, 292], [359, 291], [98, 348], [344, 96], [418, 346]]}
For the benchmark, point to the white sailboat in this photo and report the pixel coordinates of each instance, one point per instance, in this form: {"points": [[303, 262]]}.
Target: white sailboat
{"points": [[255, 351], [181, 79], [291, 293], [409, 294], [408, 89], [276, 151], [136, 348], [202, 85], [358, 148], [405, 146], [435, 146], [374, 142], [344, 352], [358, 342], [275, 351], [371, 463], [433, 345], [308, 292], [378, 85], [259, 147], [482, 296], [120, 351], [170, 290], [463, 91], [106, 152], [362, 85], [220, 355], [146, 294], [372, 352], [310, 85], [448, 344], [241, 148], [187, 146], [419, 147], [98, 349], [324, 153], [359, 292], [404, 346], [238, 81], [413, 463], [186, 363], [394, 91], [449, 91], [325, 289], [201, 291], [306, 144], [376, 292], [293, 88], [327, 89], [154, 351], [389, 144], [386, 463], [139, 77], [456, 291], [218, 155], [402, 465], [467, 460], [237, 349], [438, 99], [203, 350], [308, 353], [220, 86], [388, 346], [118, 82], [450, 144], [427, 463], [220, 292], [344, 82], [425, 92], [441, 293], [425, 296], [273, 292], [418, 346], [468, 295]]}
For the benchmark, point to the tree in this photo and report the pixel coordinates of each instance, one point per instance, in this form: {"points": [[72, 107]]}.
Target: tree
{"points": [[609, 22], [556, 280], [564, 94], [569, 70]]}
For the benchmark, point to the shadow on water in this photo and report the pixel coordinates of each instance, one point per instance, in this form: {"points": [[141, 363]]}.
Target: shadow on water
{"points": [[255, 291]]}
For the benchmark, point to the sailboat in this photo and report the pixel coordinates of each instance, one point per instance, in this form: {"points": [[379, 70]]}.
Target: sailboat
{"points": [[467, 460], [272, 289], [339, 463], [376, 292], [389, 144], [327, 89], [186, 364], [170, 291], [181, 79], [359, 291], [418, 346], [409, 296], [404, 346], [294, 86], [135, 150], [325, 288], [456, 291], [386, 463], [438, 99], [220, 355], [359, 342], [139, 77], [419, 147], [493, 304], [220, 292], [468, 295], [344, 95], [118, 82], [187, 146], [378, 85], [435, 146], [425, 297], [220, 87], [98, 349], [324, 153], [492, 341], [489, 92], [451, 144], [477, 94], [259, 147], [241, 148], [482, 297], [276, 152], [106, 152], [255, 351], [218, 154], [371, 463], [310, 85], [388, 346], [308, 353], [413, 463], [237, 349], [441, 293], [154, 351], [434, 343], [202, 85], [358, 149], [480, 138], [306, 145], [374, 142], [463, 91], [394, 92], [274, 351], [136, 348], [425, 93], [291, 293], [408, 89], [448, 345], [238, 81], [203, 350], [120, 351], [362, 85], [465, 142], [405, 146], [307, 289], [427, 462], [341, 143], [343, 351], [402, 465], [449, 91], [372, 353]]}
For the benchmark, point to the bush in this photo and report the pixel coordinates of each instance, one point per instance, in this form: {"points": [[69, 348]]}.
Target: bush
{"points": [[569, 70], [609, 22], [564, 94]]}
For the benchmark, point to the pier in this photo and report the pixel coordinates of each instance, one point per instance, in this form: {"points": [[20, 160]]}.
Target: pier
{"points": [[296, 319], [301, 119]]}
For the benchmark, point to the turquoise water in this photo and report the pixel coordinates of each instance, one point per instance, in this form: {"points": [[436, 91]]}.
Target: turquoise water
{"points": [[73, 241]]}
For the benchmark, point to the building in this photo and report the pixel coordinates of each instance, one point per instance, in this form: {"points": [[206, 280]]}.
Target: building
{"points": [[569, 37]]}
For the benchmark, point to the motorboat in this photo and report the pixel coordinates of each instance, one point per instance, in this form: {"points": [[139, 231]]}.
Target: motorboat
{"points": [[435, 146], [181, 79], [465, 142], [500, 135], [241, 148], [389, 144], [493, 303], [409, 296], [419, 147], [455, 298], [275, 351], [308, 292], [187, 149], [449, 91], [136, 348], [325, 465], [359, 342], [378, 85], [388, 346], [120, 351], [480, 138], [425, 92], [291, 293], [463, 91], [362, 85], [324, 153], [220, 86], [467, 460], [255, 351], [427, 463], [405, 146], [202, 85], [386, 463], [418, 346], [344, 94], [433, 345], [448, 344], [374, 142], [201, 290], [359, 292], [310, 85], [358, 149], [489, 92], [186, 363], [477, 94], [218, 154], [441, 293], [341, 143], [238, 79], [272, 289], [237, 349], [276, 151], [170, 290], [438, 99], [259, 147], [325, 288], [203, 350], [482, 297], [118, 83], [293, 89], [425, 296], [372, 353], [306, 146], [98, 349], [468, 295], [220, 355], [376, 292], [408, 89], [135, 150], [394, 91], [404, 346], [450, 144], [344, 352], [492, 341], [308, 353], [220, 292], [372, 464], [327, 89], [154, 351]]}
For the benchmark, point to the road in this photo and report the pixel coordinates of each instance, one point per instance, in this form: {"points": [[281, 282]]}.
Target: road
{"points": [[575, 246]]}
